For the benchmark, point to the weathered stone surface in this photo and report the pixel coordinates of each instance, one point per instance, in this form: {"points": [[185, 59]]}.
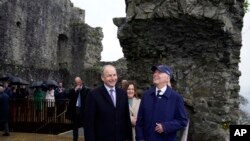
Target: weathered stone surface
{"points": [[200, 41], [47, 35]]}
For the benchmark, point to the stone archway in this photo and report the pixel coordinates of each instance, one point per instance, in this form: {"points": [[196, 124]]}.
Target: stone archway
{"points": [[62, 51]]}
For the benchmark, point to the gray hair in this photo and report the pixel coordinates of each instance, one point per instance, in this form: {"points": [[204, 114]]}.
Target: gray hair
{"points": [[104, 67]]}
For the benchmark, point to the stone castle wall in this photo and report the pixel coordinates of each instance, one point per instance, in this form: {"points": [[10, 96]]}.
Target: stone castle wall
{"points": [[201, 41], [46, 35]]}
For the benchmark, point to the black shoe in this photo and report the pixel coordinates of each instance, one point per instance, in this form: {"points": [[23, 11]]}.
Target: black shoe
{"points": [[6, 134]]}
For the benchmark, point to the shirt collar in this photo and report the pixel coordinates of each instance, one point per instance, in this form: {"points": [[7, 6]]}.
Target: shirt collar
{"points": [[162, 90], [108, 88]]}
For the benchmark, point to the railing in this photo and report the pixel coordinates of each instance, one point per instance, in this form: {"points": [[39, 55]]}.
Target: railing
{"points": [[45, 116]]}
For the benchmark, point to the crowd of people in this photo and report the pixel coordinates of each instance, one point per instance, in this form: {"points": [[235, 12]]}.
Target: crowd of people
{"points": [[15, 99], [113, 113]]}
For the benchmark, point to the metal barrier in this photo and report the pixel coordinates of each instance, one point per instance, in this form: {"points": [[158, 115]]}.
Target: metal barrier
{"points": [[43, 116]]}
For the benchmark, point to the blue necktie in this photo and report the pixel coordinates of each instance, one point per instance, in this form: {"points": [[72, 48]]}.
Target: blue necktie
{"points": [[78, 103], [112, 96]]}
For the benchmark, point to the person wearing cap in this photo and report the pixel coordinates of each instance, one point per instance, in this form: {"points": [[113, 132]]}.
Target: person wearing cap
{"points": [[4, 110], [161, 112]]}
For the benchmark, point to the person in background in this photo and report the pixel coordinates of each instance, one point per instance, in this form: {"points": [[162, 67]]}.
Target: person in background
{"points": [[161, 112], [13, 106], [134, 104], [107, 112], [4, 110], [38, 97], [7, 89], [60, 97], [22, 95], [124, 84], [50, 100], [75, 112]]}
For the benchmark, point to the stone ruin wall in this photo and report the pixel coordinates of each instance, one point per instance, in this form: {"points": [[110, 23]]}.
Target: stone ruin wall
{"points": [[47, 39], [201, 41]]}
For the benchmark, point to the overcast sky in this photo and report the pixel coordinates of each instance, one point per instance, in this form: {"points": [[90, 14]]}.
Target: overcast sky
{"points": [[100, 13], [245, 58]]}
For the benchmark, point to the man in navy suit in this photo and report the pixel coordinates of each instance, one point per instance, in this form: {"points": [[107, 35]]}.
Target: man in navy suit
{"points": [[161, 112], [107, 112]]}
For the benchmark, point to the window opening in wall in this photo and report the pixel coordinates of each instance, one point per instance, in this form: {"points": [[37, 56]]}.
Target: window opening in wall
{"points": [[18, 24], [62, 51]]}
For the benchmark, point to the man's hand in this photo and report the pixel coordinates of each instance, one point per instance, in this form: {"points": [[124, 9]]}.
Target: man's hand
{"points": [[78, 87], [159, 128]]}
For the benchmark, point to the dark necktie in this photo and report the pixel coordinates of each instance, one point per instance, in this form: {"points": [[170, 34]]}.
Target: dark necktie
{"points": [[158, 94]]}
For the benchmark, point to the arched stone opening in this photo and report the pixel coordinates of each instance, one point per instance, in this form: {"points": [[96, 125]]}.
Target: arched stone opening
{"points": [[63, 51]]}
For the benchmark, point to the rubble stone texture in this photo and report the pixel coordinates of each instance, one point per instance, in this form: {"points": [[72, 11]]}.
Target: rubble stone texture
{"points": [[201, 41], [46, 39]]}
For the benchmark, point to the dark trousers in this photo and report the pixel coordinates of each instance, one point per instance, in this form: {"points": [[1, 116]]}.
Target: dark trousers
{"points": [[76, 124]]}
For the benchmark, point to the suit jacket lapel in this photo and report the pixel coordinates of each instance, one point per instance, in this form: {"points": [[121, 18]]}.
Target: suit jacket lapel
{"points": [[118, 97], [106, 95]]}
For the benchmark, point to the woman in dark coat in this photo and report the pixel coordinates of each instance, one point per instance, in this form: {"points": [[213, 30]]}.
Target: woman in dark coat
{"points": [[4, 110]]}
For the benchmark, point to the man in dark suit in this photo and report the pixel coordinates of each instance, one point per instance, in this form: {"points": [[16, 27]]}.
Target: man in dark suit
{"points": [[75, 111], [107, 113]]}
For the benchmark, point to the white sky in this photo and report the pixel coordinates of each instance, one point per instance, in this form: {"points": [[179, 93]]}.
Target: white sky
{"points": [[245, 57], [101, 12]]}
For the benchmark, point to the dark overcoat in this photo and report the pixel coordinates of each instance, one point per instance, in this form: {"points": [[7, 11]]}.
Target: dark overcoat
{"points": [[167, 109], [4, 107], [72, 96], [103, 120]]}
